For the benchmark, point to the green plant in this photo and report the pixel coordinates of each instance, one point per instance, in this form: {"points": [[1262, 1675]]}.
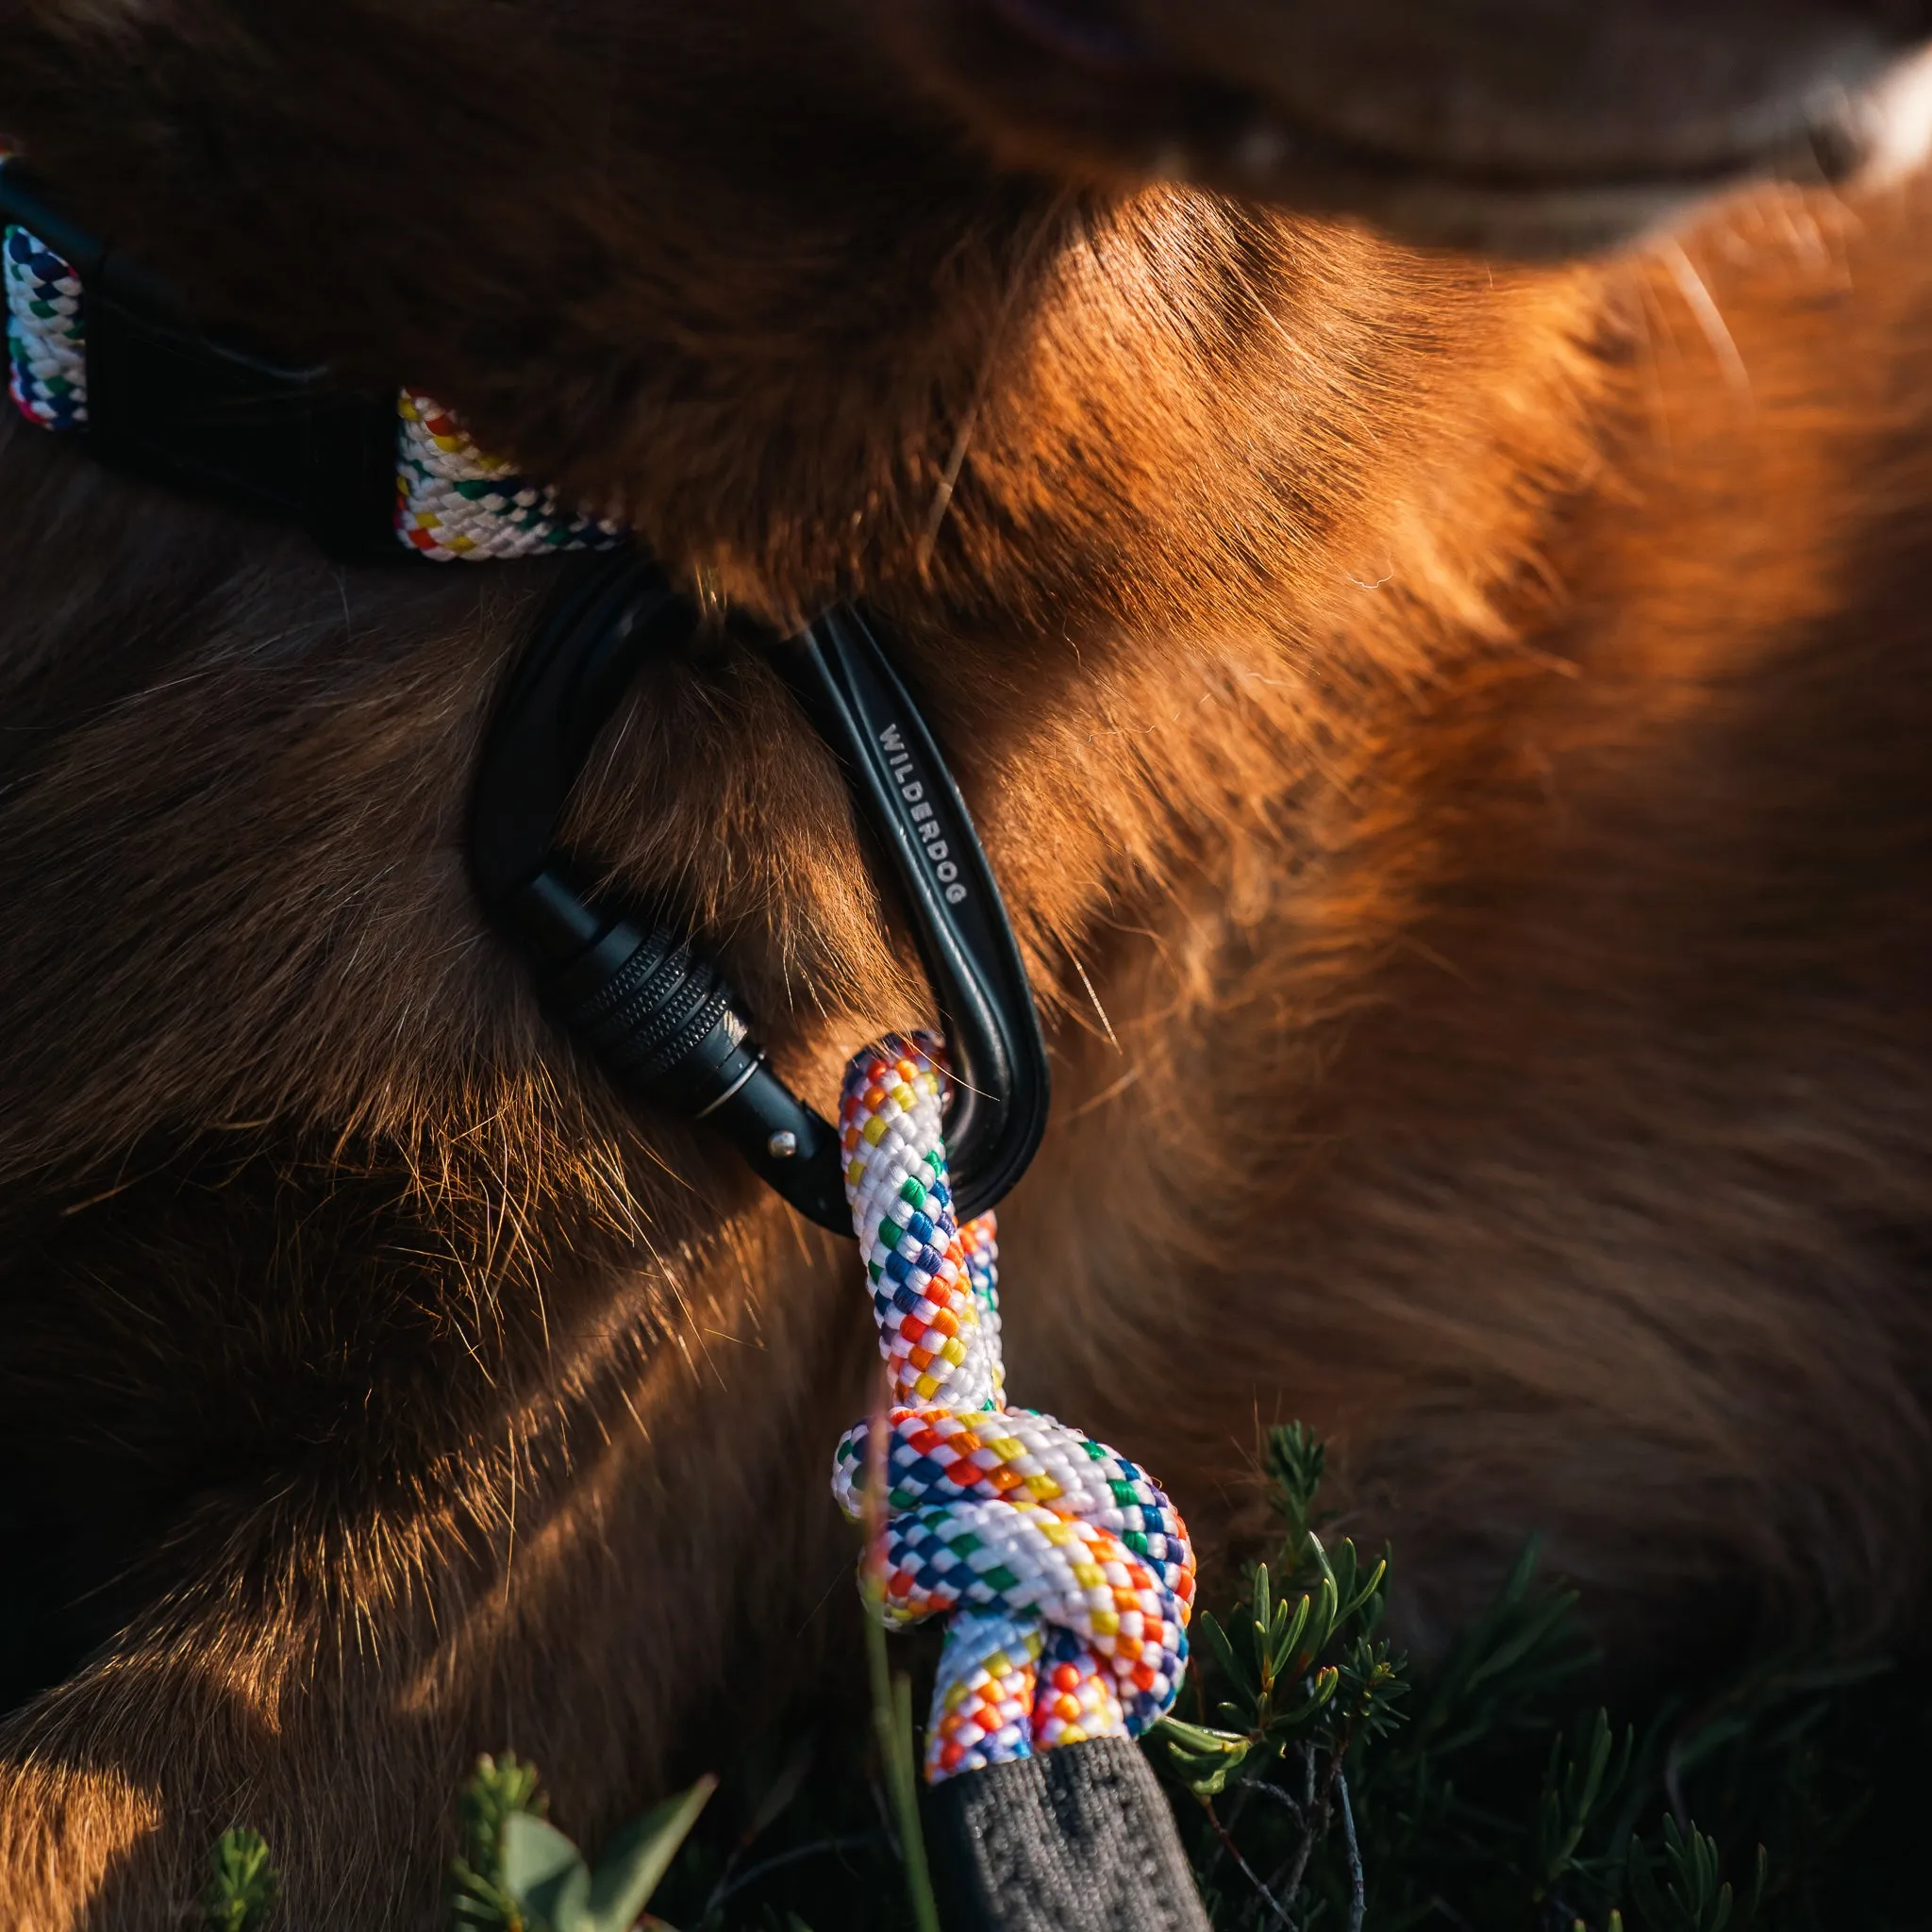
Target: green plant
{"points": [[1320, 1780], [1299, 1683], [892, 1718], [242, 1885], [517, 1873], [1694, 1896]]}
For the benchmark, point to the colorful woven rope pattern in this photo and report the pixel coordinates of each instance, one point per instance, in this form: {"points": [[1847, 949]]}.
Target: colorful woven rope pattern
{"points": [[1065, 1571], [453, 502], [46, 352]]}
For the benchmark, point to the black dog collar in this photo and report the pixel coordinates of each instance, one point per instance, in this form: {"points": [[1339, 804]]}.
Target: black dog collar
{"points": [[214, 415]]}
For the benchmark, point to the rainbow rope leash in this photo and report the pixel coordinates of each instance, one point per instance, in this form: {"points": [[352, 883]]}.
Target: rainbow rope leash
{"points": [[1065, 1570], [453, 502], [46, 352]]}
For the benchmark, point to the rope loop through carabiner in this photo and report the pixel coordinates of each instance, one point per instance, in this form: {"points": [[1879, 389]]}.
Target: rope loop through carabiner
{"points": [[1064, 1568]]}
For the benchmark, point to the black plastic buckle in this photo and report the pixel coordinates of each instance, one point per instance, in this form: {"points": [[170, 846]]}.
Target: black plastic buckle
{"points": [[211, 413]]}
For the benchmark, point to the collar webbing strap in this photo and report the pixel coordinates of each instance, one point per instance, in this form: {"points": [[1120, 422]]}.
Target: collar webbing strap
{"points": [[153, 393], [100, 349]]}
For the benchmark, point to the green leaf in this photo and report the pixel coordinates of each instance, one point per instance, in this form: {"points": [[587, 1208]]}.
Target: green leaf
{"points": [[1238, 1676], [1519, 1651], [1574, 1783], [633, 1862], [1643, 1888], [1203, 1760], [777, 1796], [1197, 1737], [1321, 1623], [1694, 1897], [1290, 1639], [1761, 1873], [1322, 1687], [544, 1872], [477, 1901], [243, 1886], [1366, 1593], [1342, 1567]]}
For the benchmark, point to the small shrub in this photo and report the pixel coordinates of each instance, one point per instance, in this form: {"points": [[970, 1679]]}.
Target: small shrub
{"points": [[243, 1886], [517, 1873], [1322, 1781]]}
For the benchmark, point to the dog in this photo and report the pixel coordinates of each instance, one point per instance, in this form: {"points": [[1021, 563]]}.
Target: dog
{"points": [[1449, 728]]}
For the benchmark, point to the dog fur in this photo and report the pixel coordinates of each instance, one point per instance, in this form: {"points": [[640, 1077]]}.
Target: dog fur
{"points": [[1451, 737]]}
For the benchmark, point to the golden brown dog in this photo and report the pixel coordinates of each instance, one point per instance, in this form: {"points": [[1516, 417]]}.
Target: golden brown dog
{"points": [[1451, 734]]}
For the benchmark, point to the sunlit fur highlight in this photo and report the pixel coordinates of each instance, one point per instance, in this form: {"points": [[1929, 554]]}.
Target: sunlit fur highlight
{"points": [[1455, 755]]}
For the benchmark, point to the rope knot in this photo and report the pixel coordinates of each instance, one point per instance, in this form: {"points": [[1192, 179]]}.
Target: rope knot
{"points": [[1064, 1568]]}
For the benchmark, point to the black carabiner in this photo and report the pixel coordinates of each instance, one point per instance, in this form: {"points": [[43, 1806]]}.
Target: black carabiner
{"points": [[1000, 1083], [658, 1017]]}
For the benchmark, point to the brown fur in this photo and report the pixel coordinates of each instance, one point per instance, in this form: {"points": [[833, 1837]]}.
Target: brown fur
{"points": [[1452, 738]]}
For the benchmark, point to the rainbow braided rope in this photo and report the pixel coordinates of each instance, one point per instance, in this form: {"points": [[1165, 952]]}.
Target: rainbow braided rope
{"points": [[452, 501], [46, 352], [1064, 1568]]}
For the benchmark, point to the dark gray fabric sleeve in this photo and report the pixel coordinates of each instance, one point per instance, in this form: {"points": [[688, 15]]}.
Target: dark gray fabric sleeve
{"points": [[1077, 1839]]}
